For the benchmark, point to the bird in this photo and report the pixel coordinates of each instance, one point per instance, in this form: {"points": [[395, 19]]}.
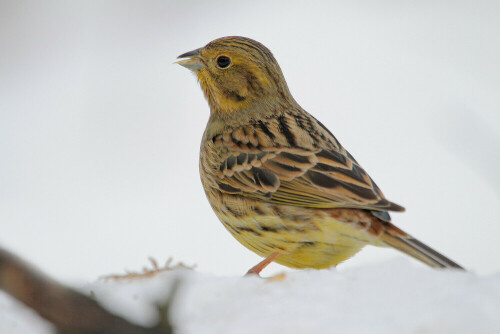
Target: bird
{"points": [[278, 180]]}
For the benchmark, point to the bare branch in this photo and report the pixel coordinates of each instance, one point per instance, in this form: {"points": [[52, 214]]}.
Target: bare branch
{"points": [[70, 311]]}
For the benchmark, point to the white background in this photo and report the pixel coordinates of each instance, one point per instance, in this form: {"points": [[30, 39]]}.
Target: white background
{"points": [[100, 132]]}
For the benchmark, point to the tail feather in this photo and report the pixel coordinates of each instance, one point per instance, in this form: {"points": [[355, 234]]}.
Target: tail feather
{"points": [[407, 244]]}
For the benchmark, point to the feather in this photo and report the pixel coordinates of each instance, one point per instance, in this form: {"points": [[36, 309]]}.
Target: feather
{"points": [[325, 177]]}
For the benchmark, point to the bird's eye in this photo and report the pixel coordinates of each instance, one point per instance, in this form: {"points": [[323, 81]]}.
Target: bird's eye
{"points": [[223, 61]]}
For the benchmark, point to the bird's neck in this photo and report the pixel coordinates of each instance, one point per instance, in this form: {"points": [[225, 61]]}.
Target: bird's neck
{"points": [[227, 121], [252, 110]]}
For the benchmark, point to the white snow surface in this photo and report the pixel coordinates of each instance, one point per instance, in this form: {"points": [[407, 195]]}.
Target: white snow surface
{"points": [[392, 297]]}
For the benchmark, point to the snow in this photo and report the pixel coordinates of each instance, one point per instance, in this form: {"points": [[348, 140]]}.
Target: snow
{"points": [[15, 318], [396, 296]]}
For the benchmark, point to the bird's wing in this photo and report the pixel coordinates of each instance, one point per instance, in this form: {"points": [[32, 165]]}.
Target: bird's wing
{"points": [[277, 163]]}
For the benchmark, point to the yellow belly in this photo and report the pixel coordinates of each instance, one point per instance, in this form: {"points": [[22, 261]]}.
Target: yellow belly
{"points": [[311, 240]]}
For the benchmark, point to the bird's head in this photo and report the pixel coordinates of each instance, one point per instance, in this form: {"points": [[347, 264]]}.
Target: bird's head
{"points": [[237, 74]]}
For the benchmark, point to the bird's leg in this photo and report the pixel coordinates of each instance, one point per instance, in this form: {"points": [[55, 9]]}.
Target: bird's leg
{"points": [[262, 264]]}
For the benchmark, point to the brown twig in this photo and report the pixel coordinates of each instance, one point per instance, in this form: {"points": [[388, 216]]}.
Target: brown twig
{"points": [[149, 272], [71, 312]]}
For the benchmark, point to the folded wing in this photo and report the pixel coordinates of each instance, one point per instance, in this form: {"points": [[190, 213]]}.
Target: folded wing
{"points": [[259, 165]]}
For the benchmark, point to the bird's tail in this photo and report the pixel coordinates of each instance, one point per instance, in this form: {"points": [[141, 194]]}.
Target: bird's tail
{"points": [[407, 244]]}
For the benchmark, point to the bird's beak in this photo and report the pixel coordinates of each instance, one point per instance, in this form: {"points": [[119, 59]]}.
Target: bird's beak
{"points": [[193, 61]]}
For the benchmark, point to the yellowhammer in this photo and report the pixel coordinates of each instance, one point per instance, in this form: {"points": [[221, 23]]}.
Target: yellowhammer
{"points": [[276, 177]]}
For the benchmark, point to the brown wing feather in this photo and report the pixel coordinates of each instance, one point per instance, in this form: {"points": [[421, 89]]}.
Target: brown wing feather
{"points": [[282, 161]]}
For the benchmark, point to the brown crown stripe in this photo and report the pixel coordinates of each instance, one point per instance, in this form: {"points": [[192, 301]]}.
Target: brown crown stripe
{"points": [[265, 54], [241, 43], [259, 48]]}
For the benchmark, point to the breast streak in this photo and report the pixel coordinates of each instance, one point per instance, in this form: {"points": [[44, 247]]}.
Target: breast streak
{"points": [[305, 237]]}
